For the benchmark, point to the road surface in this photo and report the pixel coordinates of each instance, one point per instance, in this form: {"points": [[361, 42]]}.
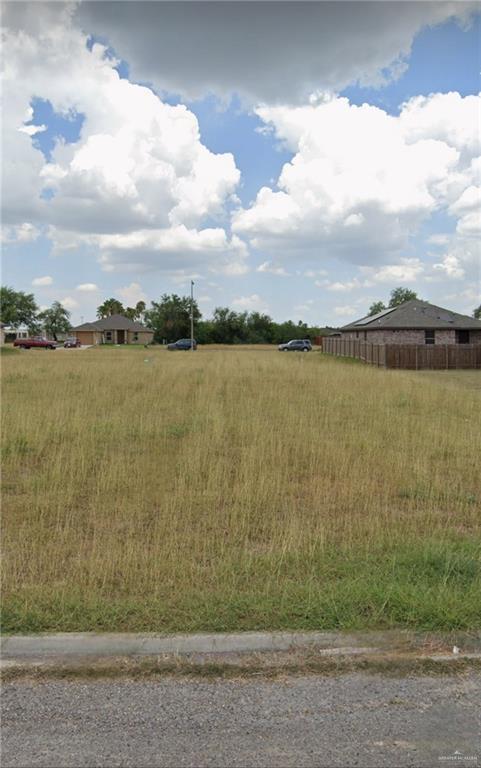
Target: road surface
{"points": [[348, 720]]}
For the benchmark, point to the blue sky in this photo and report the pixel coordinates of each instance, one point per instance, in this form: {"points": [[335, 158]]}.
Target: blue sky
{"points": [[280, 260]]}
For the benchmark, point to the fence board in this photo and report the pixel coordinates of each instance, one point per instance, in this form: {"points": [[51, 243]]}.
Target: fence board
{"points": [[409, 356]]}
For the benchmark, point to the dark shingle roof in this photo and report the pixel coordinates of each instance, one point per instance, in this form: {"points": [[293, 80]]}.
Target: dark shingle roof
{"points": [[86, 327], [415, 314], [112, 323]]}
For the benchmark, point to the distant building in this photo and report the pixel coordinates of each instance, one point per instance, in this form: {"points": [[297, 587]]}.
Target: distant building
{"points": [[415, 322], [11, 332], [115, 329]]}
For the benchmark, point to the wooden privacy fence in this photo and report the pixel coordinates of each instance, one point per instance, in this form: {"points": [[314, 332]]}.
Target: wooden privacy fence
{"points": [[413, 356], [370, 353]]}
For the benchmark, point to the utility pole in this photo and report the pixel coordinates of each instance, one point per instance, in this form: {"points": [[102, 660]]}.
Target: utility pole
{"points": [[192, 315]]}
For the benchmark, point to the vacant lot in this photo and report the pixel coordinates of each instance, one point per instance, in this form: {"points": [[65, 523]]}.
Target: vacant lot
{"points": [[227, 489]]}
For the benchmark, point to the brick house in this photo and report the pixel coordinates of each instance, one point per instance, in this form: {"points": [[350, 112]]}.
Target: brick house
{"points": [[115, 329], [415, 322]]}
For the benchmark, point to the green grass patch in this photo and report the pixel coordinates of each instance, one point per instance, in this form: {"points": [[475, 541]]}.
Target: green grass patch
{"points": [[435, 586], [8, 351]]}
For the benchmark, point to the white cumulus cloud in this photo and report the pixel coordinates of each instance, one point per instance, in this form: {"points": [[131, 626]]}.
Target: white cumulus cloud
{"points": [[139, 164], [69, 303], [131, 294], [272, 269], [252, 303], [87, 287], [362, 181], [42, 281]]}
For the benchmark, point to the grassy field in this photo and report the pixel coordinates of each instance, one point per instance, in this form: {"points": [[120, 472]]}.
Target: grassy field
{"points": [[237, 489]]}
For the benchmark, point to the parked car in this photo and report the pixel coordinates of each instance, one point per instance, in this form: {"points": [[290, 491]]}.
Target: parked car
{"points": [[36, 342], [71, 343], [182, 344], [296, 345]]}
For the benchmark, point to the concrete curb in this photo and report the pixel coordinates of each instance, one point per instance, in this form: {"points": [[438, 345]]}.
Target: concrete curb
{"points": [[64, 646]]}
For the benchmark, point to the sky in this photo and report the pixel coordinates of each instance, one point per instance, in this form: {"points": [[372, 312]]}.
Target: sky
{"points": [[296, 158]]}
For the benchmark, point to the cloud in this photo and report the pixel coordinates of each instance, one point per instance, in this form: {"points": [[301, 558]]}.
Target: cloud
{"points": [[451, 266], [438, 239], [345, 311], [252, 303], [87, 287], [361, 182], [42, 281], [172, 250], [408, 271], [272, 269], [69, 302], [31, 130], [343, 287], [138, 165], [131, 294], [461, 260], [21, 233], [265, 52]]}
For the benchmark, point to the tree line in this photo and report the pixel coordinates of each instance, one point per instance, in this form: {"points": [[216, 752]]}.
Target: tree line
{"points": [[169, 318]]}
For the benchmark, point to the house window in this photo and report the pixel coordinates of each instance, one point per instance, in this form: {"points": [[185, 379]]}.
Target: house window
{"points": [[462, 337], [429, 337], [135, 336], [108, 336]]}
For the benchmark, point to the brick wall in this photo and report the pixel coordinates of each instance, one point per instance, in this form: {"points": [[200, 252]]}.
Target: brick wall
{"points": [[408, 336], [142, 337]]}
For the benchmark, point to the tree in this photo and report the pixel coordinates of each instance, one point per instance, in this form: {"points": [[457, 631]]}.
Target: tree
{"points": [[18, 308], [110, 307], [229, 327], [55, 320], [376, 307], [169, 318], [260, 328], [477, 313], [135, 313], [400, 295], [140, 308]]}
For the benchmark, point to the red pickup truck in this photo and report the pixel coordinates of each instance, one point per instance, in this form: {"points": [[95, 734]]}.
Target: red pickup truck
{"points": [[37, 342]]}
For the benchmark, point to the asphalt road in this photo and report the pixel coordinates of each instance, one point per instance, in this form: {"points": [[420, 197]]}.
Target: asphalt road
{"points": [[351, 720]]}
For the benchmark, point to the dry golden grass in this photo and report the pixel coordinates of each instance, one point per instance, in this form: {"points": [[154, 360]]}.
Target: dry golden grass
{"points": [[237, 488]]}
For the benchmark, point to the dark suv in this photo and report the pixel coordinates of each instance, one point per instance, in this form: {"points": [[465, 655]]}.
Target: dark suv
{"points": [[182, 344], [296, 345], [72, 343]]}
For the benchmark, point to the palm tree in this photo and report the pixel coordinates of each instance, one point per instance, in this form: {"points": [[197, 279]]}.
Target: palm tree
{"points": [[110, 307]]}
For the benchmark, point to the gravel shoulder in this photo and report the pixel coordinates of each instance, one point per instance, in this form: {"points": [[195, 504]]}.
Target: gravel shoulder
{"points": [[344, 720]]}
